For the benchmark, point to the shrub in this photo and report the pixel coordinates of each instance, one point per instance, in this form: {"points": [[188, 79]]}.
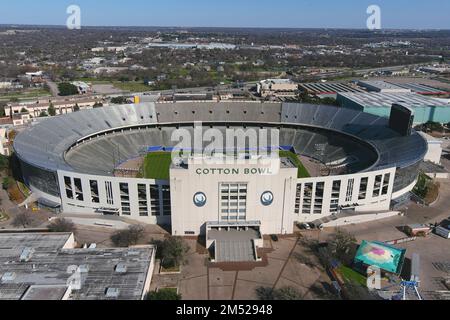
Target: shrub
{"points": [[164, 295], [128, 237], [283, 294], [62, 225]]}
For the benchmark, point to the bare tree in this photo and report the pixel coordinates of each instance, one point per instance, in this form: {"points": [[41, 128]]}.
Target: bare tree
{"points": [[62, 225], [22, 219]]}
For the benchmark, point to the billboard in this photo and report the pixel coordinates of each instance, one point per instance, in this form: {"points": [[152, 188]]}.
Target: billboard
{"points": [[401, 119]]}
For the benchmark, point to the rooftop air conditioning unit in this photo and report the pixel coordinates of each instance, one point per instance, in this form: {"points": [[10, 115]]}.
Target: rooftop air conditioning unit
{"points": [[121, 268], [112, 293], [26, 254], [8, 276]]}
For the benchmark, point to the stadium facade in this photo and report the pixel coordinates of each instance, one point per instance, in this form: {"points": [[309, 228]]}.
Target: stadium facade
{"points": [[70, 162]]}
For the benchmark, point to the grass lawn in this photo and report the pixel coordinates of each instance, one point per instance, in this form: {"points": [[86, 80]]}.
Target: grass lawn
{"points": [[156, 165], [352, 276], [36, 93], [132, 86], [302, 172], [170, 290]]}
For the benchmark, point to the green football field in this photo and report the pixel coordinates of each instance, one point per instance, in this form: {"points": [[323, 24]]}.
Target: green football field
{"points": [[302, 172], [157, 165]]}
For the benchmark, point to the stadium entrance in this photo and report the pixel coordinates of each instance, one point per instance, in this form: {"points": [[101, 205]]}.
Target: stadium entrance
{"points": [[233, 201], [234, 242]]}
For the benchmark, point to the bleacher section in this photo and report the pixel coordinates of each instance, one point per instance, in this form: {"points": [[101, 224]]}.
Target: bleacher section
{"points": [[95, 141]]}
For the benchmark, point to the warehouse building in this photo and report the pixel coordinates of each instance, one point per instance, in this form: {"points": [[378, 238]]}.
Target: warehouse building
{"points": [[328, 90], [382, 87], [425, 108], [46, 266]]}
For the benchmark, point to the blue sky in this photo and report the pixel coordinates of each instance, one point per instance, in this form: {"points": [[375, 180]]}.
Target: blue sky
{"points": [[405, 14]]}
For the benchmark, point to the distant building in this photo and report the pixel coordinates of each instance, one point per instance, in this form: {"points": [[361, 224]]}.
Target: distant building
{"points": [[277, 88], [109, 70], [5, 126], [11, 84], [21, 119], [62, 106], [324, 90], [382, 87], [423, 89], [436, 69], [47, 266], [83, 87], [425, 108]]}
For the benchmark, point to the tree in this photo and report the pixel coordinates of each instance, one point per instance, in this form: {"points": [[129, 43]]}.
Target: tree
{"points": [[22, 219], [265, 293], [120, 100], [76, 108], [342, 246], [62, 225], [67, 89], [163, 295], [4, 162], [51, 110], [173, 252], [98, 105], [6, 183], [43, 114], [12, 135], [23, 110], [128, 237]]}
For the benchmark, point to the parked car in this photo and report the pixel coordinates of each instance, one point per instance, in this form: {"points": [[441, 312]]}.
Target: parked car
{"points": [[304, 226]]}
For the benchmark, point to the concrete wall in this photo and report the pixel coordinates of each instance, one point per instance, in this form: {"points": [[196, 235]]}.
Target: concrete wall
{"points": [[360, 219], [88, 206], [348, 196]]}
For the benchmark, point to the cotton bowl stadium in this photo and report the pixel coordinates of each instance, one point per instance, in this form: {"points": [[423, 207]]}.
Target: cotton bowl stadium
{"points": [[118, 161]]}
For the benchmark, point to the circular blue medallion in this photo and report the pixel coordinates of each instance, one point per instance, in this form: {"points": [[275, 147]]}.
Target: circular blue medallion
{"points": [[199, 199], [267, 198]]}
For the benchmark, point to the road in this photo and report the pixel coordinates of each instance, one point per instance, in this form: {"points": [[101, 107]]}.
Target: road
{"points": [[53, 87]]}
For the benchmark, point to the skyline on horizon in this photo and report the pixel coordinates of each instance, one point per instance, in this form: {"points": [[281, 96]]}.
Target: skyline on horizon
{"points": [[295, 14]]}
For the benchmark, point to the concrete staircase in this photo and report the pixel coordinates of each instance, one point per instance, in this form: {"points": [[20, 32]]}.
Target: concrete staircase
{"points": [[234, 251]]}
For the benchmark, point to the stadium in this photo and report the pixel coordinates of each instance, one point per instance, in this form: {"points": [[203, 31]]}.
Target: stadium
{"points": [[115, 161]]}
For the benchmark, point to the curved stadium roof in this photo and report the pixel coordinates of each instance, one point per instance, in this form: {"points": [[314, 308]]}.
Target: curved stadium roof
{"points": [[46, 143]]}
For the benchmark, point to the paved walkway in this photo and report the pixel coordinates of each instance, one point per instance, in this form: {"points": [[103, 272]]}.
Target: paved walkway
{"points": [[200, 280]]}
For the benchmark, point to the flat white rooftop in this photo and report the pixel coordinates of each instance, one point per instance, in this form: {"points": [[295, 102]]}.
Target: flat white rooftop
{"points": [[375, 99]]}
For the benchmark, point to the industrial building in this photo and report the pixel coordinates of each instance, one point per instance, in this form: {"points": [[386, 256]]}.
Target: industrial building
{"points": [[382, 87], [425, 108], [47, 266], [331, 90], [423, 89], [277, 88]]}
